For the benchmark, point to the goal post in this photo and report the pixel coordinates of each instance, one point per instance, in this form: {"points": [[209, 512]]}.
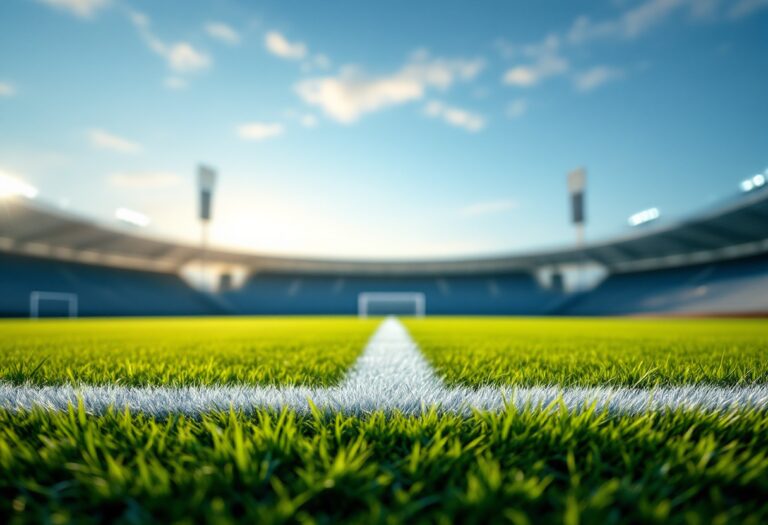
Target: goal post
{"points": [[417, 300], [37, 297]]}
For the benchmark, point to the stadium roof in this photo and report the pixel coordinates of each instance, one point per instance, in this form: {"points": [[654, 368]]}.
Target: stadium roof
{"points": [[737, 228]]}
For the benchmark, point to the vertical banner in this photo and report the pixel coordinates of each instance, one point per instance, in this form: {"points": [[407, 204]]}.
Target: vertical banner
{"points": [[206, 178], [577, 181]]}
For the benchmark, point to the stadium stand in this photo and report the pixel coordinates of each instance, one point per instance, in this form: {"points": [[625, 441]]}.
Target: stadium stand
{"points": [[503, 293], [715, 263], [100, 290], [729, 287]]}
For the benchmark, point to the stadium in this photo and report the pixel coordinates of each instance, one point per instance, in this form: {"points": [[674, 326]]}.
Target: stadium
{"points": [[397, 298], [711, 264]]}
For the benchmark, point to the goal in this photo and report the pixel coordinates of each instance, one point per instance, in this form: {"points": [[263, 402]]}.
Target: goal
{"points": [[391, 303], [36, 298]]}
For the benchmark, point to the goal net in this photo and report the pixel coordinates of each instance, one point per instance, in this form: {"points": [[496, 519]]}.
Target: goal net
{"points": [[54, 304], [391, 303]]}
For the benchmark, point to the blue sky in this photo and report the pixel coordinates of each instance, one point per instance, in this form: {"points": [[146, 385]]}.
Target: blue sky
{"points": [[384, 129]]}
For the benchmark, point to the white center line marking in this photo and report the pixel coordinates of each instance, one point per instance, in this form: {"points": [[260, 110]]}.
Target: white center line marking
{"points": [[390, 375]]}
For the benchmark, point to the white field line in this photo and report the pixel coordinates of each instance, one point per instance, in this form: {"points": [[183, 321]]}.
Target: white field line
{"points": [[390, 375]]}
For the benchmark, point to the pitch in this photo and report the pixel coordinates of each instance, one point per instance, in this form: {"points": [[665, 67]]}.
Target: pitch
{"points": [[518, 463]]}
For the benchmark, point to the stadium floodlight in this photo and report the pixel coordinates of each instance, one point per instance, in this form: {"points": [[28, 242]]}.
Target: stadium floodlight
{"points": [[645, 216], [132, 217], [206, 182], [577, 183], [754, 182], [13, 187]]}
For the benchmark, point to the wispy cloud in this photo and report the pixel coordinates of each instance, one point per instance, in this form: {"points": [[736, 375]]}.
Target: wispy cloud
{"points": [[543, 61], [454, 116], [595, 77], [637, 20], [79, 8], [184, 58], [222, 32], [7, 89], [146, 180], [280, 46], [257, 131], [181, 57], [517, 108], [352, 93], [744, 8], [488, 207], [104, 140]]}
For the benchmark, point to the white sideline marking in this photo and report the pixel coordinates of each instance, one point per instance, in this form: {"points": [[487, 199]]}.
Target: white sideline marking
{"points": [[390, 375]]}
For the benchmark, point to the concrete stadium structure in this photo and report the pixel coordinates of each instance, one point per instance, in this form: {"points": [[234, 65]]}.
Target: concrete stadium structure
{"points": [[713, 263]]}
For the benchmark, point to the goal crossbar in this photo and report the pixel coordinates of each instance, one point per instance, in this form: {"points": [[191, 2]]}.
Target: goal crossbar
{"points": [[36, 297], [418, 299]]}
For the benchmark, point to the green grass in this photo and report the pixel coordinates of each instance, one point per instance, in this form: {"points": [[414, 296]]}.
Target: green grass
{"points": [[594, 352], [530, 466], [311, 351], [513, 467]]}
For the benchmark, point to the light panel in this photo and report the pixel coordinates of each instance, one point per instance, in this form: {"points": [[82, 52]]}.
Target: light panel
{"points": [[14, 187], [642, 217], [132, 217]]}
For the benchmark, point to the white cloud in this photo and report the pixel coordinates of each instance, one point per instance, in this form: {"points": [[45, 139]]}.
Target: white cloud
{"points": [[175, 83], [222, 32], [522, 76], [351, 94], [259, 130], [642, 18], [595, 77], [488, 207], [7, 89], [79, 8], [517, 108], [148, 180], [584, 30], [181, 57], [638, 20], [308, 120], [278, 45], [104, 140], [745, 8], [544, 61], [454, 116]]}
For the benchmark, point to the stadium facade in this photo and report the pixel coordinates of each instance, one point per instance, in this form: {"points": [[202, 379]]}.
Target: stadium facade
{"points": [[714, 263]]}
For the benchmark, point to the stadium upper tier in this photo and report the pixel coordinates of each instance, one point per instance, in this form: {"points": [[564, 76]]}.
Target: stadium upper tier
{"points": [[98, 290], [735, 229]]}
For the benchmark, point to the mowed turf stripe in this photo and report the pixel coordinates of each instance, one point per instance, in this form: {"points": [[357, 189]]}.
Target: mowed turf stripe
{"points": [[390, 375]]}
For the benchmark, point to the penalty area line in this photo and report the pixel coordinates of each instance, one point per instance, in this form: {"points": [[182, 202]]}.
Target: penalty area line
{"points": [[390, 375]]}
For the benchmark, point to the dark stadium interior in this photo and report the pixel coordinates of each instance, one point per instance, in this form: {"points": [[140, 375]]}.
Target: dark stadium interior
{"points": [[714, 263], [726, 287]]}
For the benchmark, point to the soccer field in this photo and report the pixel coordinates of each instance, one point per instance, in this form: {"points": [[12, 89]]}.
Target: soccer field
{"points": [[372, 439]]}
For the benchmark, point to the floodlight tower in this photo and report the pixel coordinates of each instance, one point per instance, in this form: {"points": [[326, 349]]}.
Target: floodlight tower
{"points": [[206, 179], [577, 182]]}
